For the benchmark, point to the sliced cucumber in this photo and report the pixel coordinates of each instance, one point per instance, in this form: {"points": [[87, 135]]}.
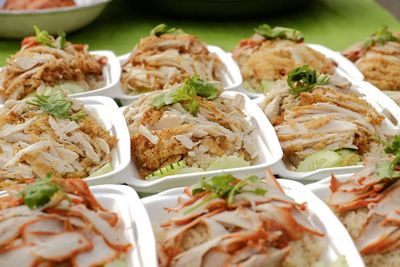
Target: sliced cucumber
{"points": [[167, 170], [228, 162], [103, 170], [319, 160], [267, 85], [349, 157]]}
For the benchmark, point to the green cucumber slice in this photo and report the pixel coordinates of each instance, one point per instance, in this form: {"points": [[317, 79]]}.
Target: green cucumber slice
{"points": [[167, 170], [349, 157], [319, 160], [103, 170]]}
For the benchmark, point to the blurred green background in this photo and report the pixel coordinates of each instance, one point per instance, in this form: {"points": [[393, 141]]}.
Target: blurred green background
{"points": [[333, 23]]}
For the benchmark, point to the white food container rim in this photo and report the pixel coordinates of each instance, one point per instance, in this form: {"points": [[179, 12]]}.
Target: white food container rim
{"points": [[231, 72], [272, 153], [340, 241]]}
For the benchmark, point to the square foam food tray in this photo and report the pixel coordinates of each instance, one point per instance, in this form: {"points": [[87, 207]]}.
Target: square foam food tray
{"points": [[344, 67], [230, 73], [381, 102], [269, 151], [339, 242], [134, 221], [111, 74]]}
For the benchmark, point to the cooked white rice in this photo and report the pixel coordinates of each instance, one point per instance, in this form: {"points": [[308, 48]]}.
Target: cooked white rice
{"points": [[354, 220], [306, 252]]}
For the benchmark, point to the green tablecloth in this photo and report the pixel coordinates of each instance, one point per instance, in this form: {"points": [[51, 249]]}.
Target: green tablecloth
{"points": [[333, 23]]}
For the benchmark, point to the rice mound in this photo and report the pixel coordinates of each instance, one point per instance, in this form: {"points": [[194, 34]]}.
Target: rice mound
{"points": [[353, 221], [305, 252]]}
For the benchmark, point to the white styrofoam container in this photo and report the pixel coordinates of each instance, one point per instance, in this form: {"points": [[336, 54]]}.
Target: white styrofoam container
{"points": [[111, 74], [339, 241], [108, 114], [381, 102], [344, 68], [270, 152], [230, 74], [106, 111], [125, 202]]}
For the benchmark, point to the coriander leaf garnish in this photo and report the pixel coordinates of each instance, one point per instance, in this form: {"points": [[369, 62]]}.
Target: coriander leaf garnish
{"points": [[304, 79], [186, 95], [394, 149], [56, 105], [382, 36], [279, 32], [46, 39], [224, 186], [40, 192], [164, 29]]}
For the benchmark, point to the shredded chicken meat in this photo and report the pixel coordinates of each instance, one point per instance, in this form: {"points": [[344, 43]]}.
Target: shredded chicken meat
{"points": [[36, 66], [252, 230], [73, 229], [160, 62], [261, 60], [34, 143], [160, 137], [329, 117]]}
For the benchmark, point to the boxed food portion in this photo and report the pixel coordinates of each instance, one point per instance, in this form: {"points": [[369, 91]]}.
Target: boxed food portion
{"points": [[47, 63], [223, 220], [328, 127], [367, 204], [66, 222], [172, 147], [66, 137]]}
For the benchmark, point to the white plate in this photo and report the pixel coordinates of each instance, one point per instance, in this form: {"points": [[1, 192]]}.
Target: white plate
{"points": [[231, 77], [381, 102], [111, 74], [270, 152], [19, 23], [106, 111], [339, 240], [344, 68]]}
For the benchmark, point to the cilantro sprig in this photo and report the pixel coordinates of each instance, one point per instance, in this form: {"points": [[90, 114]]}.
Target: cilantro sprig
{"points": [[186, 95], [56, 105], [269, 32], [46, 39], [380, 37], [304, 79], [224, 186], [40, 192], [164, 29]]}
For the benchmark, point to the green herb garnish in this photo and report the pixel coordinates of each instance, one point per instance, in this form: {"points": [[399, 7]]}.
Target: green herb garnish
{"points": [[279, 32], [46, 39], [224, 186], [164, 29], [382, 36], [304, 79], [40, 192], [394, 149], [56, 105], [186, 95]]}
